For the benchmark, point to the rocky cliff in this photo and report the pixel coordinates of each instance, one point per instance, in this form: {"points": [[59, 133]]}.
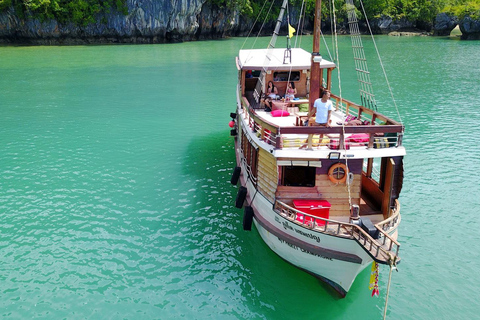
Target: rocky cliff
{"points": [[147, 21], [159, 21]]}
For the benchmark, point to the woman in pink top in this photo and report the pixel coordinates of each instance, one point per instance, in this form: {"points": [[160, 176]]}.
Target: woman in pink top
{"points": [[291, 91]]}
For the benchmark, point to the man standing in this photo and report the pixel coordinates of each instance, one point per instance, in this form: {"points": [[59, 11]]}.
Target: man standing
{"points": [[322, 107]]}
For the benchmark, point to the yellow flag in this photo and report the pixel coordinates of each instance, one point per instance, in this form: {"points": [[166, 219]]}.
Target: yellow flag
{"points": [[291, 30]]}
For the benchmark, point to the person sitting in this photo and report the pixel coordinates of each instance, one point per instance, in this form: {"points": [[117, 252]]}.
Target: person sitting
{"points": [[290, 92], [271, 94]]}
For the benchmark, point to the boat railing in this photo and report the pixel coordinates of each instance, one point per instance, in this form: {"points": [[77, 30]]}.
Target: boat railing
{"points": [[361, 112], [384, 134], [393, 221], [383, 250], [323, 225], [248, 169]]}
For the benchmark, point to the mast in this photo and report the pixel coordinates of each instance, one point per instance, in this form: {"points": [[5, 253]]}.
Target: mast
{"points": [[259, 88], [315, 80]]}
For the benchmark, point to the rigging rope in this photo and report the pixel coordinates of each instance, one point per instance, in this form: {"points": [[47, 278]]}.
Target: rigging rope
{"points": [[381, 63], [326, 46], [255, 22], [392, 266], [363, 75], [348, 184], [299, 31], [257, 93]]}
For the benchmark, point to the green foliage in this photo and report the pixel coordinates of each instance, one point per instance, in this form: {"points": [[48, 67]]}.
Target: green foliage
{"points": [[80, 12], [4, 4], [83, 12], [412, 10], [463, 8], [244, 6]]}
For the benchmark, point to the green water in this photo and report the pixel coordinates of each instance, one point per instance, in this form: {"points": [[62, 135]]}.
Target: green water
{"points": [[115, 199]]}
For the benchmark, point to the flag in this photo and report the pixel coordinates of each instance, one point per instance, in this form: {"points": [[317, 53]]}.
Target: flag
{"points": [[291, 30]]}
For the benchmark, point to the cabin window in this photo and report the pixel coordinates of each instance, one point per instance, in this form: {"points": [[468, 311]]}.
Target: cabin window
{"points": [[286, 76], [298, 176]]}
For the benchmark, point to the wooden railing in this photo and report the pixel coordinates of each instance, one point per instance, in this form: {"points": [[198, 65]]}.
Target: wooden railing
{"points": [[274, 135], [383, 250], [361, 112]]}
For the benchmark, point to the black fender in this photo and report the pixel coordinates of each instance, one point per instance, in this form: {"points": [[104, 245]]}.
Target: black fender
{"points": [[241, 196], [235, 175], [248, 218]]}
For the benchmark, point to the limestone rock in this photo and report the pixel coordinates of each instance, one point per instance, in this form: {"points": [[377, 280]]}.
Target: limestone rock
{"points": [[386, 24], [444, 24], [147, 21], [470, 28]]}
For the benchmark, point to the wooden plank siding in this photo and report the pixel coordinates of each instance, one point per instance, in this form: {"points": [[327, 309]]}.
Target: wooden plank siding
{"points": [[337, 194], [267, 174]]}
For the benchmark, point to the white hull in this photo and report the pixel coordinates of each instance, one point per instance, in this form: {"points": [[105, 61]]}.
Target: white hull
{"points": [[335, 260]]}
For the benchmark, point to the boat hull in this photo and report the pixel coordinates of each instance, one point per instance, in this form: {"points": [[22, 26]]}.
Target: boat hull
{"points": [[335, 260]]}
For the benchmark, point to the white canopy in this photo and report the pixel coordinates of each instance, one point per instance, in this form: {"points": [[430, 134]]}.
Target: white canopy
{"points": [[255, 59]]}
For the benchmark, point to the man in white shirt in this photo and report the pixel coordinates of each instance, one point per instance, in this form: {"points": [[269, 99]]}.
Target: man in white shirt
{"points": [[322, 107]]}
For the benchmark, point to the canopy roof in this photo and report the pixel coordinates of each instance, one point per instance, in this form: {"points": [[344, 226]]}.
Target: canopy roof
{"points": [[255, 59]]}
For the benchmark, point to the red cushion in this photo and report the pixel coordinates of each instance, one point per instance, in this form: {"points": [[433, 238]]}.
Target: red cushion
{"points": [[359, 137], [280, 113]]}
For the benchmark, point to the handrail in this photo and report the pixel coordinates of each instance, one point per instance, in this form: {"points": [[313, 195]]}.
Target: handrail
{"points": [[380, 252], [276, 133], [393, 219], [362, 109], [291, 213]]}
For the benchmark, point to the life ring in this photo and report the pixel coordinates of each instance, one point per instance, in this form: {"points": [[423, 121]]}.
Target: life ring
{"points": [[334, 173]]}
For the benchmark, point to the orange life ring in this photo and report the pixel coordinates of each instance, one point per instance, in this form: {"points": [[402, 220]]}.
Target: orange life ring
{"points": [[333, 173]]}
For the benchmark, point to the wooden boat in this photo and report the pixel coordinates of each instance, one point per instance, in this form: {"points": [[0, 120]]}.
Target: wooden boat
{"points": [[324, 198]]}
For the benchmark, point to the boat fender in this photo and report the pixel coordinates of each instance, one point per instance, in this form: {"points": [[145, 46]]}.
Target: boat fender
{"points": [[334, 170], [248, 218], [233, 132], [235, 175], [233, 115], [241, 195]]}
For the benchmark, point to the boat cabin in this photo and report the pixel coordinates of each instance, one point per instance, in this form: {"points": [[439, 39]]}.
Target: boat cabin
{"points": [[354, 163]]}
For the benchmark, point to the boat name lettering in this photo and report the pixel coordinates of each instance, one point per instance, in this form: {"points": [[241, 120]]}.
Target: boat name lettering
{"points": [[303, 250], [288, 244], [287, 226], [316, 255], [308, 235]]}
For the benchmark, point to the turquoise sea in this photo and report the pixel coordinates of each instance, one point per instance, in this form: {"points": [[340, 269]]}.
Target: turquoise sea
{"points": [[115, 200]]}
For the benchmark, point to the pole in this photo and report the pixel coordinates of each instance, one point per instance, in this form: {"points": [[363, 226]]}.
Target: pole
{"points": [[315, 80]]}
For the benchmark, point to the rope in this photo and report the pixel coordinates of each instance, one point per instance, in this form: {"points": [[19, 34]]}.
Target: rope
{"points": [[301, 17], [363, 76], [263, 24], [302, 13], [392, 262], [381, 63], [256, 191], [326, 46], [341, 99]]}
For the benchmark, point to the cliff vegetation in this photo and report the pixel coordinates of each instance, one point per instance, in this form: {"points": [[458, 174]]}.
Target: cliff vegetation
{"points": [[153, 21]]}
